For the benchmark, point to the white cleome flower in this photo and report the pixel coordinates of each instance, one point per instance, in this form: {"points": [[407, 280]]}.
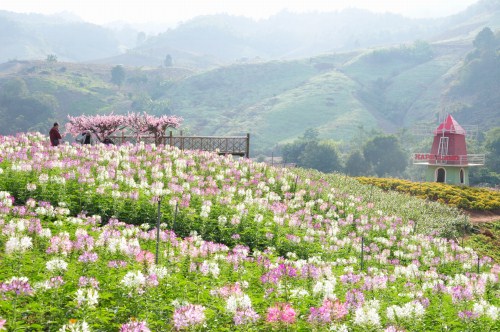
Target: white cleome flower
{"points": [[56, 264]]}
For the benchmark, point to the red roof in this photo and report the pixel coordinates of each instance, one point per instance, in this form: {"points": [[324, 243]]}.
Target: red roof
{"points": [[449, 125]]}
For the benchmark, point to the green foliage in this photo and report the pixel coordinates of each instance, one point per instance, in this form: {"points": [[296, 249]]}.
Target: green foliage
{"points": [[21, 110], [476, 86], [420, 51], [311, 134], [118, 75], [167, 62], [487, 241], [356, 165], [309, 152], [144, 103], [492, 144], [322, 156], [51, 58], [385, 155], [485, 40], [14, 88]]}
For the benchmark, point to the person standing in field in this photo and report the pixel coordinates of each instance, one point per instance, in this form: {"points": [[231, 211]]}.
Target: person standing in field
{"points": [[55, 136], [86, 137]]}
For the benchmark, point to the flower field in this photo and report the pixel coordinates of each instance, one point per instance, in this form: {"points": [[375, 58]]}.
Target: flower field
{"points": [[464, 197], [241, 246]]}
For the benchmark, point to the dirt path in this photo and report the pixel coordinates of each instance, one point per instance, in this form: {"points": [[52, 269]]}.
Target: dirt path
{"points": [[477, 217]]}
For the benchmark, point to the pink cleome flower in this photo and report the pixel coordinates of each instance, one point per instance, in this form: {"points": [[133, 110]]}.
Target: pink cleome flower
{"points": [[281, 312], [188, 315]]}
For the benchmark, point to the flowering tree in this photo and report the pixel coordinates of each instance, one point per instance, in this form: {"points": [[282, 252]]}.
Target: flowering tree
{"points": [[146, 123], [102, 126]]}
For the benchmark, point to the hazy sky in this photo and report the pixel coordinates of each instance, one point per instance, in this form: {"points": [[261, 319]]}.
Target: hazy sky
{"points": [[104, 11]]}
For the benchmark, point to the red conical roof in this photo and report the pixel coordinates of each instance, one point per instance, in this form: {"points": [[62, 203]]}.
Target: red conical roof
{"points": [[449, 125]]}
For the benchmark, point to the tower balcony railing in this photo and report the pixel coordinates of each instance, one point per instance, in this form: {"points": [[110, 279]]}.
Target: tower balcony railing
{"points": [[448, 160]]}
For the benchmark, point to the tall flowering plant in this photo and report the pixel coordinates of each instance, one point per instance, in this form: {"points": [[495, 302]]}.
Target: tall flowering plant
{"points": [[102, 126], [156, 126]]}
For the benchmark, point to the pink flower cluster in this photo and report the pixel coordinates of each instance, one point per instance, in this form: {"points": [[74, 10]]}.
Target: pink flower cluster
{"points": [[281, 313], [145, 257], [103, 126], [188, 315], [328, 311], [134, 326]]}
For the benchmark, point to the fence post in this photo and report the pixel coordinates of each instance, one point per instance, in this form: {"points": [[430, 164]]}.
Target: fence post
{"points": [[295, 185], [158, 230], [175, 216], [362, 251], [247, 149], [123, 138], [182, 142]]}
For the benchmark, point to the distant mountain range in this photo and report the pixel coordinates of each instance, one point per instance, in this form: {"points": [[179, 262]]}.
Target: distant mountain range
{"points": [[208, 41], [341, 73]]}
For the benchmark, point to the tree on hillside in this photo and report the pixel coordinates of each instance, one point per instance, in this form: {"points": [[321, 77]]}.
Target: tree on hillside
{"points": [[485, 40], [385, 155], [144, 103], [356, 165], [118, 75], [311, 134], [13, 88], [167, 62], [322, 156], [292, 151], [492, 145], [51, 58], [309, 152], [22, 111], [141, 38]]}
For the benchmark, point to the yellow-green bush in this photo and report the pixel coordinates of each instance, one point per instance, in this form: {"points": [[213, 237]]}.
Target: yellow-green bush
{"points": [[469, 198]]}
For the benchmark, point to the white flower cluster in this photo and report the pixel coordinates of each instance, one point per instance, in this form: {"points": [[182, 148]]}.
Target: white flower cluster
{"points": [[238, 301], [5, 199], [160, 271], [367, 315], [134, 279], [18, 244], [56, 265], [43, 211], [298, 293], [21, 167], [212, 268], [205, 209], [410, 311], [87, 297], [410, 271], [75, 326], [483, 308], [325, 287]]}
